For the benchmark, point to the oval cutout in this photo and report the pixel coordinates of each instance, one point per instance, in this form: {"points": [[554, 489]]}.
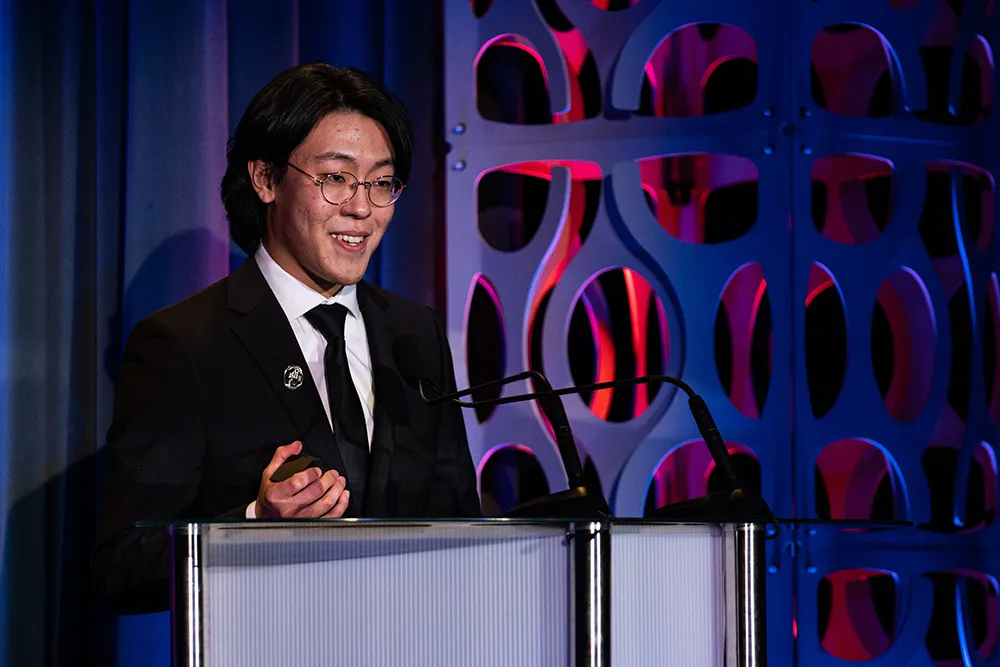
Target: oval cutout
{"points": [[940, 465], [826, 340], [975, 91], [852, 197], [701, 198], [902, 344], [857, 479], [510, 475], [618, 330], [487, 360], [688, 471], [721, 77], [947, 640], [743, 335], [511, 83], [512, 202], [857, 613], [965, 189], [851, 75]]}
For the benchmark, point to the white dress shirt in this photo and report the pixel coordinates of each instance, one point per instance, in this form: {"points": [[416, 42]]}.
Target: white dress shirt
{"points": [[296, 299]]}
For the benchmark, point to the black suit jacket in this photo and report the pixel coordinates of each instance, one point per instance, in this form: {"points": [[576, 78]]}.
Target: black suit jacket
{"points": [[201, 405]]}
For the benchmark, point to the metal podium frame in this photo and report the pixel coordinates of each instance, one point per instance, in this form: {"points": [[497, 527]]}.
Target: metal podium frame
{"points": [[590, 587]]}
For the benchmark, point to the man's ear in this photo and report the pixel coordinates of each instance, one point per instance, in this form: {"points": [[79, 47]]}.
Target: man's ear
{"points": [[260, 176]]}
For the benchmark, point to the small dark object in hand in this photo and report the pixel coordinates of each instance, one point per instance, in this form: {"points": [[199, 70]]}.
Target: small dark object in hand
{"points": [[296, 464]]}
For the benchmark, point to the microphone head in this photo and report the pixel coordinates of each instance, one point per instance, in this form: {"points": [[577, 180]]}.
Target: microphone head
{"points": [[408, 354]]}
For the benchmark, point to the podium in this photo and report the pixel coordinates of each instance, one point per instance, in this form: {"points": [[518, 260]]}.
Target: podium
{"points": [[485, 592]]}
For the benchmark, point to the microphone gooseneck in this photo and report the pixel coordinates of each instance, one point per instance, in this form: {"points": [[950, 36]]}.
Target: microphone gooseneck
{"points": [[734, 502], [696, 405], [411, 362]]}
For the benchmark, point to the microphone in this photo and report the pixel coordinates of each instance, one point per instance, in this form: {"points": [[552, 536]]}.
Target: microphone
{"points": [[733, 504], [696, 405], [578, 500]]}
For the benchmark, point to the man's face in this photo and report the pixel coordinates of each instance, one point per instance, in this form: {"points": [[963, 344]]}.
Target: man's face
{"points": [[305, 233]]}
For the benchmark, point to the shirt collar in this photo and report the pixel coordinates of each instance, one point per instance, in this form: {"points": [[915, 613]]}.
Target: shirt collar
{"points": [[295, 297]]}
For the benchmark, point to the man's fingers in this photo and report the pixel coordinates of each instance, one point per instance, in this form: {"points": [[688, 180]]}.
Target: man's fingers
{"points": [[289, 489], [340, 507], [281, 454], [325, 503], [313, 490]]}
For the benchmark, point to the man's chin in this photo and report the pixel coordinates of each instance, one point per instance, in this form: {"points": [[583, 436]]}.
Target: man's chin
{"points": [[338, 280]]}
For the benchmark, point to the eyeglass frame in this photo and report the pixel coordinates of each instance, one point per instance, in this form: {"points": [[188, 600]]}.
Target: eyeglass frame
{"points": [[368, 186]]}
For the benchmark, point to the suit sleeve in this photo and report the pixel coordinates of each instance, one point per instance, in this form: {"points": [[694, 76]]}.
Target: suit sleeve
{"points": [[153, 463], [454, 492]]}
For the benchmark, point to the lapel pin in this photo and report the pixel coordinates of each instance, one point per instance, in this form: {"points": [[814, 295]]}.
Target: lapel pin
{"points": [[293, 377]]}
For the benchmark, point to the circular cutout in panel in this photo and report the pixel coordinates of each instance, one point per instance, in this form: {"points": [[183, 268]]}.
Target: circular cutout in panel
{"points": [[826, 340], [947, 640], [857, 479], [511, 83], [487, 359], [991, 346], [940, 465], [511, 202], [688, 471], [852, 197], [718, 74], [618, 330], [856, 613], [903, 342], [851, 75], [508, 476], [703, 197], [743, 335]]}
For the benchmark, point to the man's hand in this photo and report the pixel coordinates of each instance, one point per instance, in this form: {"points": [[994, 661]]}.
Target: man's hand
{"points": [[309, 494]]}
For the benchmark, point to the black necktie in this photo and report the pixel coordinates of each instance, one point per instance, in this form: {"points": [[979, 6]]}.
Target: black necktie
{"points": [[348, 419]]}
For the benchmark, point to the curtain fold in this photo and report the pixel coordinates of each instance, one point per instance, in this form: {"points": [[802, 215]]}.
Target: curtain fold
{"points": [[114, 117]]}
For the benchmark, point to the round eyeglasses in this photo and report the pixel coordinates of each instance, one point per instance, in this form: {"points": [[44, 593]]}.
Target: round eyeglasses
{"points": [[340, 187]]}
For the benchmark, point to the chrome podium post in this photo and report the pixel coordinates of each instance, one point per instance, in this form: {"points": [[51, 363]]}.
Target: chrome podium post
{"points": [[186, 632], [750, 599], [591, 594]]}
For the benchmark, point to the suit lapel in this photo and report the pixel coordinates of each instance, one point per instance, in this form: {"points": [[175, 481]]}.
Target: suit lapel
{"points": [[267, 336], [385, 384]]}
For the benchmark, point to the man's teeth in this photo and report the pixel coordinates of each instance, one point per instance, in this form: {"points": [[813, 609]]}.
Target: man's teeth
{"points": [[353, 240]]}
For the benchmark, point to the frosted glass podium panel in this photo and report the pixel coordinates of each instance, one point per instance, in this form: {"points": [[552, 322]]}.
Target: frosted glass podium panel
{"points": [[686, 594], [486, 592], [370, 594]]}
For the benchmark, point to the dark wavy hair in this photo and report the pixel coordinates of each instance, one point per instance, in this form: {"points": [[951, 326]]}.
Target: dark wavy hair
{"points": [[282, 115]]}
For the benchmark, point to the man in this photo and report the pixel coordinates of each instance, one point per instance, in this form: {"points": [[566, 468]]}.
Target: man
{"points": [[290, 355]]}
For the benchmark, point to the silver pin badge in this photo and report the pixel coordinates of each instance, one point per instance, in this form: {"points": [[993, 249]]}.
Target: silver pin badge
{"points": [[293, 377]]}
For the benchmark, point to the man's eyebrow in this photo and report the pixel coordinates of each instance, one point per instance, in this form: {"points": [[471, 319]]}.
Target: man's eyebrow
{"points": [[336, 155]]}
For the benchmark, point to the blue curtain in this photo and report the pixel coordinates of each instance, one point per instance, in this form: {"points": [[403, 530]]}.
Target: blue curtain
{"points": [[114, 117]]}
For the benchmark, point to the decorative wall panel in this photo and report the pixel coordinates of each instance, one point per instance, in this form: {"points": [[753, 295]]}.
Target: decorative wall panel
{"points": [[790, 205]]}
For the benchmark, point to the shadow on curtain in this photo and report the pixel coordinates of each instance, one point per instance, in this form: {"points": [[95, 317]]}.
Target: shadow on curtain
{"points": [[114, 117]]}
